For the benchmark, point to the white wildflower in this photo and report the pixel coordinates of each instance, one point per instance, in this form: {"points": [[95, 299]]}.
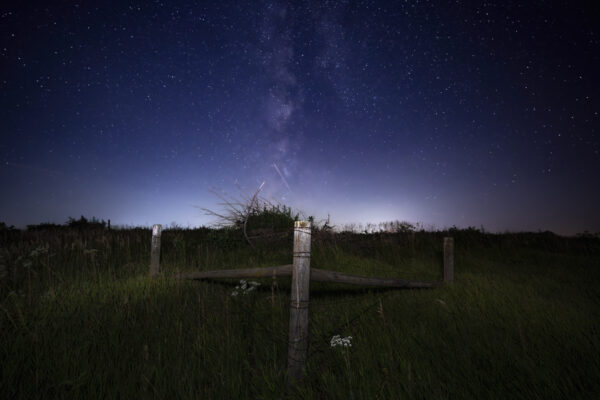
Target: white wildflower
{"points": [[244, 287], [38, 251], [337, 340]]}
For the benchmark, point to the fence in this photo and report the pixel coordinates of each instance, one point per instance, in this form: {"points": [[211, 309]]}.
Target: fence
{"points": [[302, 274]]}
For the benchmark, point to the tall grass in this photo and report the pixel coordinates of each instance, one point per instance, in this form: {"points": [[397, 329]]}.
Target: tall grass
{"points": [[80, 318]]}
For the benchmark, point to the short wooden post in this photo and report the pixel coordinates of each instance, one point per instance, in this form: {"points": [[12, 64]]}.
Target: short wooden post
{"points": [[298, 335], [155, 251], [449, 260]]}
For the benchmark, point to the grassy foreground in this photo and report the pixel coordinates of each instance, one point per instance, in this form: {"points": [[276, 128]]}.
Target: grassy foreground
{"points": [[80, 318]]}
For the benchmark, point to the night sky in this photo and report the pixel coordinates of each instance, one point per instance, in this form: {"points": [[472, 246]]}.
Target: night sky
{"points": [[442, 113]]}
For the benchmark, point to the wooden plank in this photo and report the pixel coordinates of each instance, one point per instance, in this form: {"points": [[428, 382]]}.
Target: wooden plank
{"points": [[321, 275], [155, 250], [282, 270], [317, 275], [298, 328]]}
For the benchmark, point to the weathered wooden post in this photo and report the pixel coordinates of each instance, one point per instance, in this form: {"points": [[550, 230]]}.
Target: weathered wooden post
{"points": [[449, 260], [298, 335], [155, 251]]}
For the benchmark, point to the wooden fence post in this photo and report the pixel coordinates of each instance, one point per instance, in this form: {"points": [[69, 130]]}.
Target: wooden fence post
{"points": [[449, 260], [298, 335], [155, 251]]}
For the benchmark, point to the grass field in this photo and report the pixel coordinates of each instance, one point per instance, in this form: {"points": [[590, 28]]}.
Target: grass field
{"points": [[80, 318]]}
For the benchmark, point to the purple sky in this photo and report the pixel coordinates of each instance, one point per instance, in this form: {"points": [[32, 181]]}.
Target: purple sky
{"points": [[443, 114]]}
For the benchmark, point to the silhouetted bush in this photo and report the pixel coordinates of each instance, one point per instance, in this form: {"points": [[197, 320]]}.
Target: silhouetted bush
{"points": [[44, 226], [4, 227], [83, 222], [275, 218]]}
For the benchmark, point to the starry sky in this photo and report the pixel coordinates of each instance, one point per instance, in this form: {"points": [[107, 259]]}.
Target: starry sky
{"points": [[442, 113]]}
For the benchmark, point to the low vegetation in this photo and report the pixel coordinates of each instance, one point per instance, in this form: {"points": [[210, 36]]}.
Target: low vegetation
{"points": [[80, 317]]}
